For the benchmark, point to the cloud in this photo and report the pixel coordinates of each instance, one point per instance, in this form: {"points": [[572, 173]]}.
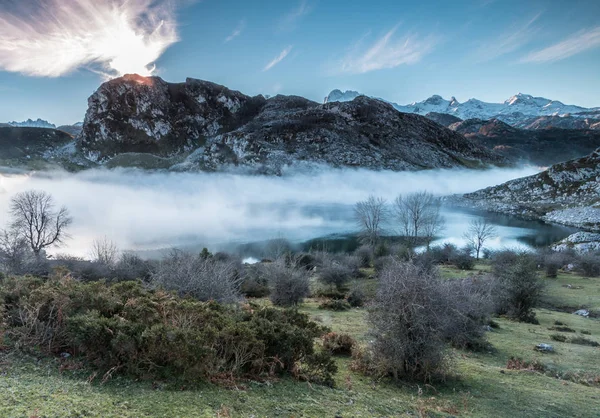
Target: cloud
{"points": [[290, 20], [279, 58], [51, 38], [387, 52], [237, 31], [513, 39], [143, 210], [581, 41]]}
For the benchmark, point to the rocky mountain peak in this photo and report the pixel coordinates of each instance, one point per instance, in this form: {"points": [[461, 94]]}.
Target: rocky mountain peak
{"points": [[146, 114]]}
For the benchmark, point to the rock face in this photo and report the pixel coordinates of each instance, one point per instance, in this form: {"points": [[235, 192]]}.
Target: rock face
{"points": [[148, 115], [566, 193], [582, 242], [540, 147], [515, 111], [217, 128]]}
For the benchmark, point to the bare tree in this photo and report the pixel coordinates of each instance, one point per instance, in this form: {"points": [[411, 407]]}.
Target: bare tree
{"points": [[370, 215], [418, 215], [480, 231], [35, 219], [105, 251]]}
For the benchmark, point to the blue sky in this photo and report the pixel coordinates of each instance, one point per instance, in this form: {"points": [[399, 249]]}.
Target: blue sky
{"points": [[403, 51]]}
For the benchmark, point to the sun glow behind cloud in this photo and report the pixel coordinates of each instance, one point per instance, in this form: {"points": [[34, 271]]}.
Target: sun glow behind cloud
{"points": [[112, 37]]}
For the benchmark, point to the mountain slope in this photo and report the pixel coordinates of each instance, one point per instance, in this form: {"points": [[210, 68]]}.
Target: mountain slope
{"points": [[567, 193], [515, 110], [540, 147], [221, 129], [32, 146], [443, 119]]}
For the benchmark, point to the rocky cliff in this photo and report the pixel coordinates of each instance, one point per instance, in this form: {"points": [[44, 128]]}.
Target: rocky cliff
{"points": [[209, 127], [566, 193]]}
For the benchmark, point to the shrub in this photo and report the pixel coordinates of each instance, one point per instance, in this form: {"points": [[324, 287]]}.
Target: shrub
{"points": [[503, 260], [356, 297], [202, 277], [470, 304], [381, 250], [584, 341], [414, 313], [254, 284], [335, 305], [335, 275], [132, 267], [589, 265], [381, 263], [365, 256], [328, 293], [561, 329], [463, 261], [518, 286], [406, 324], [289, 284], [518, 364], [559, 337], [443, 254], [341, 344], [126, 329]]}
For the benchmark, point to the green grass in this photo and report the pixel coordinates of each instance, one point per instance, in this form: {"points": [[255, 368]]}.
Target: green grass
{"points": [[480, 387]]}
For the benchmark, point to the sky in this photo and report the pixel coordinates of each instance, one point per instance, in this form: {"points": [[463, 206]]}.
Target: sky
{"points": [[55, 53]]}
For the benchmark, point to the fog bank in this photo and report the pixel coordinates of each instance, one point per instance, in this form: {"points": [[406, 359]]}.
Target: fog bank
{"points": [[150, 210]]}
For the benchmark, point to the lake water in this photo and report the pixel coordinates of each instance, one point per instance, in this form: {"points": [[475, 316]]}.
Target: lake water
{"points": [[150, 211]]}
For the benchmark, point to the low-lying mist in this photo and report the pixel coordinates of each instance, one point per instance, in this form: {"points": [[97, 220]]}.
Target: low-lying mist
{"points": [[142, 210]]}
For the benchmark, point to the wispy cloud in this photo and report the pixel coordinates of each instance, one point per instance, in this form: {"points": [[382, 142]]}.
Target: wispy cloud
{"points": [[237, 31], [387, 52], [290, 20], [513, 39], [578, 42], [279, 58]]}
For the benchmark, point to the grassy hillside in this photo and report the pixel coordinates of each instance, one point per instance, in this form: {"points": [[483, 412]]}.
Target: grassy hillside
{"points": [[568, 383]]}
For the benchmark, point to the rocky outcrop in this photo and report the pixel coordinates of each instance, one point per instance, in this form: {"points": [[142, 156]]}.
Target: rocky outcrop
{"points": [[540, 147], [148, 115], [566, 193], [582, 242], [223, 129]]}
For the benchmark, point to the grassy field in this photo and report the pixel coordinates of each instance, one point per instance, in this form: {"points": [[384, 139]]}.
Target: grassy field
{"points": [[482, 385]]}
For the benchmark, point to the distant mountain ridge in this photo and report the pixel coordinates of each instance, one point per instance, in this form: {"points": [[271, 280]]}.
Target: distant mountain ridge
{"points": [[39, 123], [516, 110]]}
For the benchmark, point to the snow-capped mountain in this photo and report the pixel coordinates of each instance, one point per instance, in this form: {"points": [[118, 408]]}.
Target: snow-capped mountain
{"points": [[32, 124], [514, 110]]}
